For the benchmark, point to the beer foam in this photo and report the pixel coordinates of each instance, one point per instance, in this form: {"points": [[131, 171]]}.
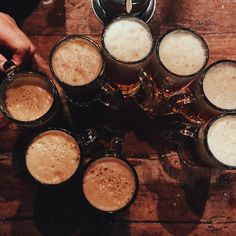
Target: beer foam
{"points": [[77, 62], [221, 139], [109, 184], [28, 98], [219, 85], [182, 52], [53, 157], [127, 40]]}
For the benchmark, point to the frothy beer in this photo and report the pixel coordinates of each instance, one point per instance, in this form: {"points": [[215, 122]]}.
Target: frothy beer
{"points": [[76, 61], [219, 85], [53, 157], [221, 139], [28, 98], [182, 52], [127, 40], [109, 184]]}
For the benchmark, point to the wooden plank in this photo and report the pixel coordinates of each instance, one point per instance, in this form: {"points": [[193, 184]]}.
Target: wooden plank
{"points": [[46, 18], [173, 199], [169, 192], [77, 17], [83, 228], [203, 16]]}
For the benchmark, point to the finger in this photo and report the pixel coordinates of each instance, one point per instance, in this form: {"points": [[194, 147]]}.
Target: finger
{"points": [[21, 55], [2, 61], [32, 49]]}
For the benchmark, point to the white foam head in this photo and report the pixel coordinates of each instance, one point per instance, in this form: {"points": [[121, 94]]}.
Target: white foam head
{"points": [[221, 139], [128, 39], [219, 85], [77, 61], [109, 184], [182, 52], [53, 157], [28, 97]]}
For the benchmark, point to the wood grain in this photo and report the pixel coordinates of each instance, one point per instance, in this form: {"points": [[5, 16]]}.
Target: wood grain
{"points": [[214, 17], [104, 228], [169, 192], [173, 198]]}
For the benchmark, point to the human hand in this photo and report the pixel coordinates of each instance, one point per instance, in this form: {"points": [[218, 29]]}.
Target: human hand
{"points": [[12, 38]]}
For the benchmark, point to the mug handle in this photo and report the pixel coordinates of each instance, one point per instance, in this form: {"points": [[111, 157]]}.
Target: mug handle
{"points": [[145, 97], [89, 141], [115, 147], [111, 95], [156, 102], [10, 68], [178, 131]]}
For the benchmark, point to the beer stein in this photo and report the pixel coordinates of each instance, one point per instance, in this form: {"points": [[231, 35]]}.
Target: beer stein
{"points": [[53, 156], [78, 66], [213, 143], [209, 95], [181, 56], [107, 10], [28, 98], [110, 183], [127, 55]]}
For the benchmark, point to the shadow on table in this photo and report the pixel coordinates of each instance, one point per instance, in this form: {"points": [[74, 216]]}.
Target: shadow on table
{"points": [[182, 200], [63, 212], [129, 118], [15, 9]]}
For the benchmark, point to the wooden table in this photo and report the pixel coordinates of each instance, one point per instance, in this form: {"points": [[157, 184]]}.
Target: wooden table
{"points": [[174, 198]]}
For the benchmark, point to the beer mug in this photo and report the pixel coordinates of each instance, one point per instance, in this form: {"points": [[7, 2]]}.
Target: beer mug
{"points": [[78, 66], [181, 56], [107, 10], [211, 94], [128, 45], [214, 142], [110, 183], [28, 98], [53, 156]]}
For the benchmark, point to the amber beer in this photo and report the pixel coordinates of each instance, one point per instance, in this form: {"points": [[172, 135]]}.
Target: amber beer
{"points": [[76, 61], [128, 45], [110, 184], [53, 157], [29, 99], [78, 66]]}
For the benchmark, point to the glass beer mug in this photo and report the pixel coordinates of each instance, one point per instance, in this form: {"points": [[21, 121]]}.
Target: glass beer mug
{"points": [[213, 143], [211, 94], [128, 46], [181, 57], [28, 98]]}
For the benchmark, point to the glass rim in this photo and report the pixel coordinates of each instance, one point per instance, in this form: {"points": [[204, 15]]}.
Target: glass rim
{"points": [[44, 117], [203, 41], [66, 131], [136, 182], [224, 110], [68, 38], [206, 145], [133, 19]]}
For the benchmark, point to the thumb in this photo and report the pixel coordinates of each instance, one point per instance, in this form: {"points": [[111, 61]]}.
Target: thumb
{"points": [[2, 61]]}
